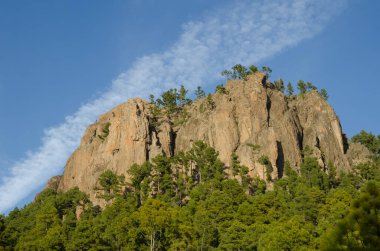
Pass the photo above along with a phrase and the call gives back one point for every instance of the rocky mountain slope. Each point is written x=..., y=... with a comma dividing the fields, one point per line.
x=251, y=119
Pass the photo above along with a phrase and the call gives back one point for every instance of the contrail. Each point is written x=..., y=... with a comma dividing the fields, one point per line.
x=243, y=32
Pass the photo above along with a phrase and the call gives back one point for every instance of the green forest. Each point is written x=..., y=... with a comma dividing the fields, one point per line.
x=186, y=202
x=193, y=201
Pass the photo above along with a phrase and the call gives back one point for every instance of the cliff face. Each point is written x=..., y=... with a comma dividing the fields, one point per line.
x=253, y=114
x=130, y=140
x=252, y=119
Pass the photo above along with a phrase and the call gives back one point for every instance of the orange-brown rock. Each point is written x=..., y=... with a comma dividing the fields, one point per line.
x=130, y=140
x=53, y=182
x=251, y=119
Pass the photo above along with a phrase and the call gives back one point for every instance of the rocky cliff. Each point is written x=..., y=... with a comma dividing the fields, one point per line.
x=250, y=119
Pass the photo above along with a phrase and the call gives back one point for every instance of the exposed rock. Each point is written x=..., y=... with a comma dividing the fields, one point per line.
x=78, y=211
x=357, y=154
x=252, y=119
x=254, y=114
x=53, y=182
x=130, y=140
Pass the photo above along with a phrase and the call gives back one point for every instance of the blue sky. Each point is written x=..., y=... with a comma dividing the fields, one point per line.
x=78, y=59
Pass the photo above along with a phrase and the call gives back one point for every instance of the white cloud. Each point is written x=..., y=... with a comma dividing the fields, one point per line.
x=244, y=32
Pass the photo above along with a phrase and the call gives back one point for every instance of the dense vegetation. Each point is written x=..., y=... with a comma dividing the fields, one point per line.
x=186, y=202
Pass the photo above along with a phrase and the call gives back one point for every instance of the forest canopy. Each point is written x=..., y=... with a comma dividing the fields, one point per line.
x=193, y=201
x=186, y=202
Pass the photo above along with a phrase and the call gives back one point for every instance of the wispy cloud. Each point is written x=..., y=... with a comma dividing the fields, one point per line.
x=244, y=32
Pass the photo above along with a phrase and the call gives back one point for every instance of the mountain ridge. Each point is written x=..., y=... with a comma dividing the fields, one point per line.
x=250, y=118
x=246, y=168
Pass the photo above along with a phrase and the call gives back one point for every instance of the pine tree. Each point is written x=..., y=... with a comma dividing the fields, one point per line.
x=310, y=86
x=199, y=93
x=279, y=85
x=239, y=72
x=264, y=160
x=253, y=69
x=235, y=164
x=324, y=94
x=181, y=96
x=221, y=89
x=266, y=70
x=110, y=184
x=210, y=101
x=290, y=89
x=227, y=74
x=301, y=87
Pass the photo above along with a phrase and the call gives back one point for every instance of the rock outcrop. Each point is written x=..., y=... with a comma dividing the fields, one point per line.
x=130, y=140
x=251, y=119
x=53, y=182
